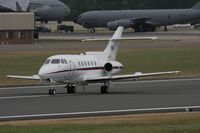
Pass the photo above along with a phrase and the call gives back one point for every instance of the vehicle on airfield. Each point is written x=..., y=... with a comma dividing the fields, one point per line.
x=139, y=20
x=45, y=10
x=65, y=28
x=42, y=29
x=88, y=68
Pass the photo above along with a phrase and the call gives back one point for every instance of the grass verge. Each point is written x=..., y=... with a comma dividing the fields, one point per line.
x=187, y=60
x=151, y=123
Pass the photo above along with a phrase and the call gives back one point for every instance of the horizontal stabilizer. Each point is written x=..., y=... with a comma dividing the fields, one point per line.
x=34, y=77
x=129, y=38
x=131, y=76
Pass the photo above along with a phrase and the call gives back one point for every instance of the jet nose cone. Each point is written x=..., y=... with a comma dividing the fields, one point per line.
x=67, y=10
x=78, y=20
x=75, y=20
x=42, y=71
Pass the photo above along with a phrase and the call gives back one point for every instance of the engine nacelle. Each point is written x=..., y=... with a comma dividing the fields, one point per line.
x=108, y=67
x=113, y=25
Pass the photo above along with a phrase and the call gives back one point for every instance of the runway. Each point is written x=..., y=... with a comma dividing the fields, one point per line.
x=18, y=103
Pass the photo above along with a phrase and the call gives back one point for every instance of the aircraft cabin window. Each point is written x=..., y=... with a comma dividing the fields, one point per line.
x=88, y=63
x=91, y=63
x=55, y=61
x=85, y=63
x=82, y=63
x=95, y=63
x=47, y=61
x=79, y=63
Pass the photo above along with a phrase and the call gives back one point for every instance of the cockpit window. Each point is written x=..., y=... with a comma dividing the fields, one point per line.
x=47, y=61
x=65, y=61
x=55, y=61
x=62, y=61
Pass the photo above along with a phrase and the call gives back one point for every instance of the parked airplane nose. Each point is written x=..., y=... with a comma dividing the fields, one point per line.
x=77, y=19
x=67, y=10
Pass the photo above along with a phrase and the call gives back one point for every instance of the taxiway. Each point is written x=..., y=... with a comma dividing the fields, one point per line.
x=33, y=102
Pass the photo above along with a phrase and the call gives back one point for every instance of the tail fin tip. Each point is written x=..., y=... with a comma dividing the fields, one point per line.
x=197, y=6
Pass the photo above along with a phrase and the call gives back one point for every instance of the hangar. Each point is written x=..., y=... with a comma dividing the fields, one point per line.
x=17, y=28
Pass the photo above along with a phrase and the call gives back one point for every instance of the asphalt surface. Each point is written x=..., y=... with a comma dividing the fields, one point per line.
x=129, y=97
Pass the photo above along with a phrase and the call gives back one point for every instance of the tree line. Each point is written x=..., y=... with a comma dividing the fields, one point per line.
x=79, y=6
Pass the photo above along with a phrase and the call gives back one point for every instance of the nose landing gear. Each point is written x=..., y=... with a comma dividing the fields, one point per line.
x=52, y=92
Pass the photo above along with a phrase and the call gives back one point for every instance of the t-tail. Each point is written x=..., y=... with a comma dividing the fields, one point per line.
x=111, y=50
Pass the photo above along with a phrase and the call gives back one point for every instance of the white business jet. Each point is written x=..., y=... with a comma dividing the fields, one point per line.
x=87, y=68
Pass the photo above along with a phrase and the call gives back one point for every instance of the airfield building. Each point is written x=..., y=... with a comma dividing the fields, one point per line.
x=16, y=28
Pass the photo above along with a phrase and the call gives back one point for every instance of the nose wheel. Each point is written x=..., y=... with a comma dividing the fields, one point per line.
x=104, y=89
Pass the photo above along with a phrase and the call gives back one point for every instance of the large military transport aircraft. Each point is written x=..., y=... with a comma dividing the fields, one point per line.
x=45, y=10
x=139, y=20
x=87, y=68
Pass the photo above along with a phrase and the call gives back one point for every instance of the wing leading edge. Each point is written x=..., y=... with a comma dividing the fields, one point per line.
x=34, y=77
x=130, y=76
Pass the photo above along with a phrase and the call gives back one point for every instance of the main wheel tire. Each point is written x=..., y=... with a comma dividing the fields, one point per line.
x=54, y=92
x=50, y=92
x=69, y=89
x=104, y=89
x=73, y=89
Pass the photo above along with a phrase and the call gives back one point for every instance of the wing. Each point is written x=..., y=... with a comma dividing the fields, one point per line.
x=34, y=77
x=131, y=76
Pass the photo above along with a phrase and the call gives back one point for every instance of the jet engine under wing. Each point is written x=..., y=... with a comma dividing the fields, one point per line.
x=34, y=77
x=130, y=22
x=131, y=76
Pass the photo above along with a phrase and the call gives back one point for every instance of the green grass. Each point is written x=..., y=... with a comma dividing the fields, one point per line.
x=161, y=123
x=187, y=60
x=150, y=60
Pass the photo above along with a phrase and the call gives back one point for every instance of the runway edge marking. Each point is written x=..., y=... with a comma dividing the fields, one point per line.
x=98, y=112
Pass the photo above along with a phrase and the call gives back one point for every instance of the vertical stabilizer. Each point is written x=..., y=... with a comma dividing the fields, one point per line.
x=18, y=7
x=111, y=50
x=28, y=6
x=197, y=6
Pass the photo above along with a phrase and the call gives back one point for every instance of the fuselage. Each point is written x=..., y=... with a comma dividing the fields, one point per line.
x=45, y=10
x=75, y=68
x=161, y=17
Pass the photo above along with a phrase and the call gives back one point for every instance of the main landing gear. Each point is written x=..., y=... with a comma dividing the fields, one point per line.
x=71, y=89
x=104, y=89
x=92, y=30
